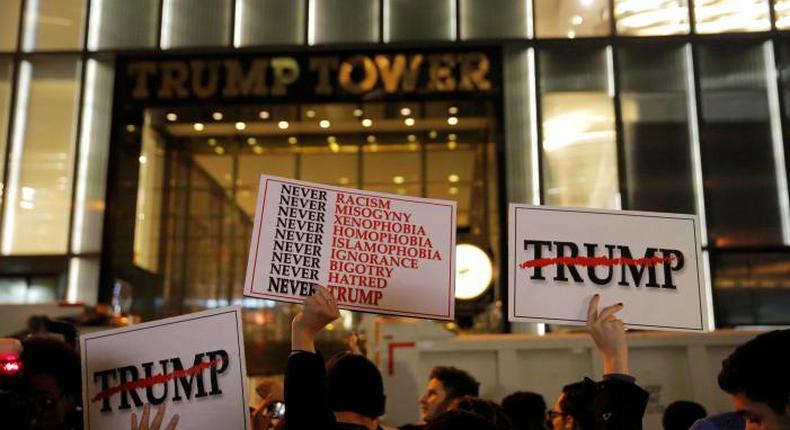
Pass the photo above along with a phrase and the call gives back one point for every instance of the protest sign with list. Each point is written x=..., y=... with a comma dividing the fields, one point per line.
x=374, y=252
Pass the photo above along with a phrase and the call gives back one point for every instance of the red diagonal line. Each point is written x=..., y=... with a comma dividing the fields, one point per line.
x=156, y=379
x=596, y=261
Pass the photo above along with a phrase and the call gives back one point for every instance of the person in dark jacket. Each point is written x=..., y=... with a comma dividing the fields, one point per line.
x=346, y=395
x=616, y=403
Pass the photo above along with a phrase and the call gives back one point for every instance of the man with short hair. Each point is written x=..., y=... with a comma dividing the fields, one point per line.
x=445, y=384
x=757, y=377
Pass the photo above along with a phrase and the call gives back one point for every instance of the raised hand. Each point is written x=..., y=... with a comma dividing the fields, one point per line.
x=608, y=333
x=319, y=310
x=156, y=423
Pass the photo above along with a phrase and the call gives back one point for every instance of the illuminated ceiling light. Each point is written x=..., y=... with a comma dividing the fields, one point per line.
x=131, y=128
x=405, y=111
x=212, y=142
x=293, y=140
x=367, y=122
x=142, y=159
x=474, y=271
x=358, y=113
x=452, y=145
x=257, y=149
x=411, y=138
x=240, y=126
x=586, y=2
x=324, y=123
x=453, y=120
x=251, y=141
x=198, y=126
x=398, y=179
x=217, y=116
x=263, y=114
x=452, y=110
x=453, y=191
x=343, y=180
x=374, y=147
x=409, y=122
x=577, y=20
x=452, y=136
x=453, y=178
x=219, y=150
x=310, y=113
x=413, y=147
x=571, y=34
x=331, y=139
x=282, y=125
x=171, y=117
x=371, y=138
x=334, y=147
x=433, y=134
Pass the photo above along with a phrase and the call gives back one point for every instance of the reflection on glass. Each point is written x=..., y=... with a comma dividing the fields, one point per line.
x=343, y=21
x=419, y=20
x=123, y=24
x=572, y=18
x=393, y=172
x=10, y=11
x=450, y=176
x=742, y=144
x=53, y=24
x=651, y=18
x=266, y=22
x=41, y=163
x=658, y=150
x=5, y=101
x=490, y=19
x=184, y=25
x=579, y=149
x=149, y=200
x=782, y=13
x=721, y=16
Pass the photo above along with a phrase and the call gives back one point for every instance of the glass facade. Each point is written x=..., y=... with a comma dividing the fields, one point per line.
x=661, y=105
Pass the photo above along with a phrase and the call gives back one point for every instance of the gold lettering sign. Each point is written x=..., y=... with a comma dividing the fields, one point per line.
x=394, y=73
x=251, y=84
x=367, y=83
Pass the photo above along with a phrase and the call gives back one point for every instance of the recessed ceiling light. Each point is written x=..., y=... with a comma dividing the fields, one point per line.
x=453, y=178
x=171, y=117
x=452, y=136
x=409, y=122
x=310, y=113
x=282, y=125
x=452, y=120
x=217, y=116
x=324, y=123
x=405, y=111
x=452, y=145
x=240, y=126
x=411, y=138
x=452, y=110
x=358, y=113
x=367, y=122
x=398, y=179
x=371, y=138
x=293, y=140
x=198, y=126
x=433, y=134
x=251, y=141
x=263, y=114
x=257, y=149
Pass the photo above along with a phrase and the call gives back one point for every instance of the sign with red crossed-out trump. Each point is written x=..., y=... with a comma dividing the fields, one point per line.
x=651, y=262
x=186, y=372
x=374, y=252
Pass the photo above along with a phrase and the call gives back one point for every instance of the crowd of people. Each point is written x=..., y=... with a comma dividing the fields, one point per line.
x=346, y=391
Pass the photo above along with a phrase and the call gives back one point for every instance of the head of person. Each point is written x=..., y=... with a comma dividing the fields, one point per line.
x=525, y=409
x=52, y=381
x=487, y=409
x=354, y=385
x=682, y=414
x=573, y=409
x=445, y=384
x=459, y=420
x=757, y=377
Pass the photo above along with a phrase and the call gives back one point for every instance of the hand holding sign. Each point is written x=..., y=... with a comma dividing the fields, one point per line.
x=319, y=310
x=608, y=333
x=156, y=423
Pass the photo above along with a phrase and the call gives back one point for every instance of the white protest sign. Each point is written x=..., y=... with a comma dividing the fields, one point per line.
x=191, y=364
x=374, y=252
x=651, y=262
